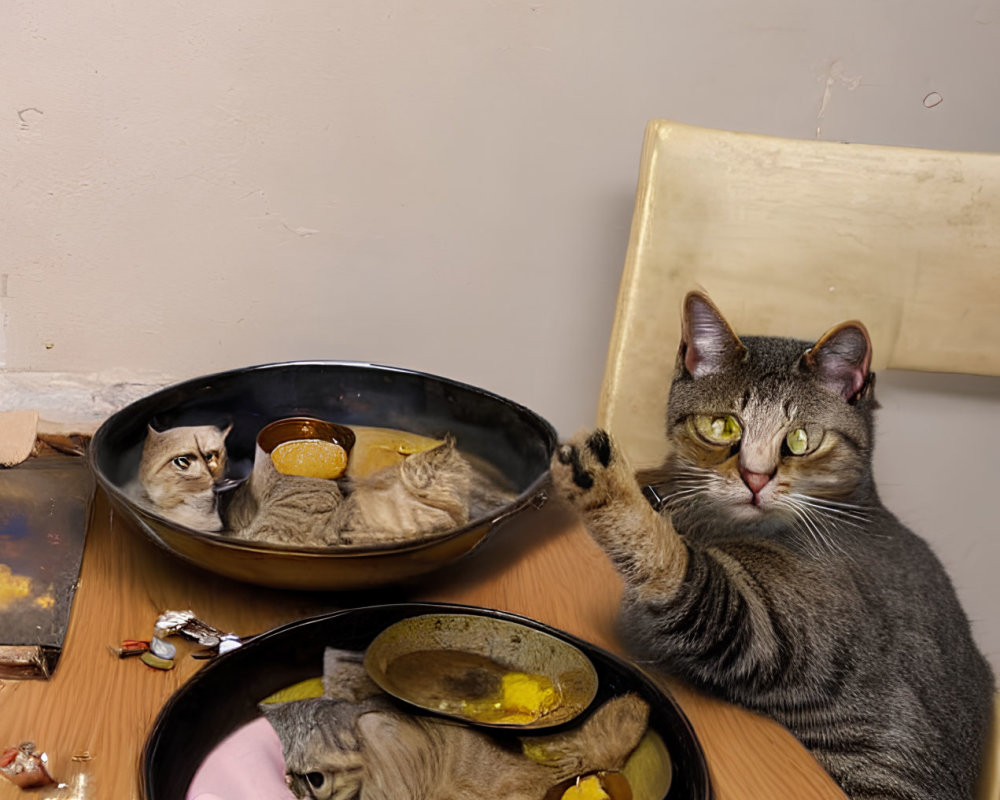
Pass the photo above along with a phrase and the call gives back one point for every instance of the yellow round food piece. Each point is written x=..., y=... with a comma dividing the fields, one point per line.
x=588, y=788
x=310, y=458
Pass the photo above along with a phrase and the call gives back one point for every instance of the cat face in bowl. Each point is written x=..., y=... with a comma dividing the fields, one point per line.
x=178, y=473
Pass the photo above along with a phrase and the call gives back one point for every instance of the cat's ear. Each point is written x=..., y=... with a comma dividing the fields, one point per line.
x=708, y=344
x=841, y=360
x=285, y=719
x=225, y=431
x=345, y=677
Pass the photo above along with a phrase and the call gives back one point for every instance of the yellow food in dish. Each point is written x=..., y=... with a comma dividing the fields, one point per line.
x=522, y=699
x=588, y=788
x=378, y=448
x=528, y=694
x=310, y=458
x=311, y=687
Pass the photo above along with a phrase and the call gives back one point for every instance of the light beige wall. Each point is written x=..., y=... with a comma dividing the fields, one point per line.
x=447, y=185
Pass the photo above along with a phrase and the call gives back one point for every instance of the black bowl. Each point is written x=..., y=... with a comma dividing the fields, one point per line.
x=207, y=708
x=509, y=437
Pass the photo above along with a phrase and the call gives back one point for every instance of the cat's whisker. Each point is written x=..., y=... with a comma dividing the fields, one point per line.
x=813, y=524
x=814, y=533
x=828, y=503
x=684, y=484
x=834, y=520
x=694, y=489
x=816, y=513
x=674, y=498
x=856, y=518
x=691, y=470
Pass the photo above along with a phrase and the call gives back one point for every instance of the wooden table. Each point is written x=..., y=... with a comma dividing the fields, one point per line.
x=542, y=565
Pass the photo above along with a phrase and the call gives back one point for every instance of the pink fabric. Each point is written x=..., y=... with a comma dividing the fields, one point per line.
x=246, y=764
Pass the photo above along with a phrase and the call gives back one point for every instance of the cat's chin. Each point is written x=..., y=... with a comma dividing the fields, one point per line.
x=744, y=512
x=750, y=518
x=711, y=523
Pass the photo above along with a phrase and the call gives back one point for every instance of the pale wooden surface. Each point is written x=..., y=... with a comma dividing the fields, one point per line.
x=791, y=237
x=542, y=565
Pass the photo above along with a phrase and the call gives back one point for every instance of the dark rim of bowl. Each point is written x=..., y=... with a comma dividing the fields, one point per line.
x=157, y=745
x=525, y=498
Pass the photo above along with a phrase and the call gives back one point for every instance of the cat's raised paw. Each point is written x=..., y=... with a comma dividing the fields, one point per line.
x=588, y=471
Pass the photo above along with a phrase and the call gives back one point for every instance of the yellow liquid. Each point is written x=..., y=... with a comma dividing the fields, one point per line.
x=310, y=458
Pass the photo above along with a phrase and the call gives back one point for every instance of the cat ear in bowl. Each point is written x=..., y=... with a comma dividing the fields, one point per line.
x=345, y=676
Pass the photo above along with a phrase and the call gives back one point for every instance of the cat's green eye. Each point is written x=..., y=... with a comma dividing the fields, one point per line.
x=182, y=462
x=718, y=429
x=797, y=441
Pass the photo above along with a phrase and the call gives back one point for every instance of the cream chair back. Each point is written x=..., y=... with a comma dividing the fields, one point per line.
x=791, y=237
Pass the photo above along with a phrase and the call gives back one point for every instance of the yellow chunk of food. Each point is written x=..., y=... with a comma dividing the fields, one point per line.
x=521, y=699
x=588, y=788
x=310, y=458
x=528, y=694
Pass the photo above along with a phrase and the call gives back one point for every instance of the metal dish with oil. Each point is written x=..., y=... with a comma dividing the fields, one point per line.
x=505, y=436
x=456, y=665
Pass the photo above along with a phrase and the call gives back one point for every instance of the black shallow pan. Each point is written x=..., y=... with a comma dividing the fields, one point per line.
x=223, y=696
x=509, y=437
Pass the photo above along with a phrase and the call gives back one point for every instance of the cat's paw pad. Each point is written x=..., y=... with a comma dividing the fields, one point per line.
x=588, y=470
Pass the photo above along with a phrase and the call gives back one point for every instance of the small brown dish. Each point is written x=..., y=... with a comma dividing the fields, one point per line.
x=292, y=428
x=283, y=434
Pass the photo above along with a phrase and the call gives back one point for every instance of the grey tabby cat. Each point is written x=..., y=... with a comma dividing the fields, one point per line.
x=354, y=744
x=178, y=471
x=774, y=577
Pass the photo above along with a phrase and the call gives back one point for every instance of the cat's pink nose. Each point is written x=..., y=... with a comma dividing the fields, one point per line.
x=754, y=480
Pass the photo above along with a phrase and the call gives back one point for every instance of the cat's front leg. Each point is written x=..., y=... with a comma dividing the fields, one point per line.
x=593, y=476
